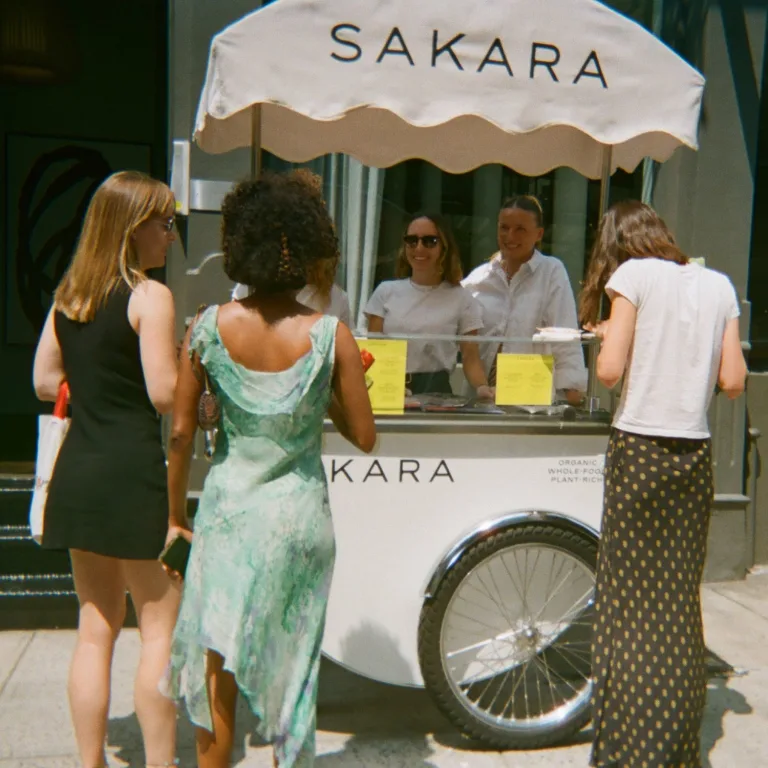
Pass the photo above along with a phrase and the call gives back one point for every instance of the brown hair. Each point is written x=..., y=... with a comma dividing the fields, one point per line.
x=105, y=255
x=450, y=261
x=629, y=230
x=527, y=203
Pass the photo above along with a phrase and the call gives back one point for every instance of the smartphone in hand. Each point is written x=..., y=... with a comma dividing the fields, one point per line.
x=176, y=555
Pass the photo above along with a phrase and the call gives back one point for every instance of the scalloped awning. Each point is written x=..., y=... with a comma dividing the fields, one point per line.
x=531, y=84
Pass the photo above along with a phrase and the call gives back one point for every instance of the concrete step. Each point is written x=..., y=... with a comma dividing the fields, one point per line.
x=19, y=554
x=36, y=588
x=15, y=498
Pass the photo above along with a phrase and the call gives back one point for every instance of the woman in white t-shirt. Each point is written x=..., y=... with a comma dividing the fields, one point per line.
x=321, y=292
x=430, y=299
x=672, y=336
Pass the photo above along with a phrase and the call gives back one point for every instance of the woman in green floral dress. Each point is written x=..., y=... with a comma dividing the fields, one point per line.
x=257, y=583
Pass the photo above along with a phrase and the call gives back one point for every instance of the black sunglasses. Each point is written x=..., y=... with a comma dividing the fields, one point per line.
x=428, y=241
x=168, y=224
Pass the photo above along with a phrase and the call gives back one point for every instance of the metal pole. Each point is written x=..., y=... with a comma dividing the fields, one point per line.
x=649, y=165
x=593, y=402
x=605, y=179
x=255, y=140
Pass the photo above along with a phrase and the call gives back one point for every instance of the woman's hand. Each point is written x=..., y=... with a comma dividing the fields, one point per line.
x=174, y=531
x=484, y=392
x=178, y=530
x=574, y=397
x=599, y=329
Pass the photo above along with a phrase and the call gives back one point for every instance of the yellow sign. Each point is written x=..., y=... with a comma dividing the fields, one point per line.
x=386, y=377
x=524, y=379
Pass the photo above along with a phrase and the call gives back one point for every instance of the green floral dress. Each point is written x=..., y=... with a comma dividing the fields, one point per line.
x=262, y=556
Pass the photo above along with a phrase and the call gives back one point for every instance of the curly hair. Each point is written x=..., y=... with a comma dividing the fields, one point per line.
x=274, y=230
x=629, y=230
x=450, y=260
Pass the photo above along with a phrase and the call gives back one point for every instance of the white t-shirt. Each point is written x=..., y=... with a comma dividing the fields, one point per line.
x=539, y=295
x=441, y=309
x=309, y=296
x=674, y=361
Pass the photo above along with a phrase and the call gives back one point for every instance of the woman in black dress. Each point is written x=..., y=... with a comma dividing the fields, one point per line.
x=672, y=336
x=110, y=335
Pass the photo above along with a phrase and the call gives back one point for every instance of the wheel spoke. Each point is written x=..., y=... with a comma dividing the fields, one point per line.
x=539, y=662
x=565, y=580
x=498, y=602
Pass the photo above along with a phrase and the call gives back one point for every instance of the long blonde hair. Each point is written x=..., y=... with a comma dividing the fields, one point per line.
x=105, y=255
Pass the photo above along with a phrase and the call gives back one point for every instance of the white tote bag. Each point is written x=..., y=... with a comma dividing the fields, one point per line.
x=51, y=431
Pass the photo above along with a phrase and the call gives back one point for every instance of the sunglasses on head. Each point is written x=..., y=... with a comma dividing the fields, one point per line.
x=428, y=241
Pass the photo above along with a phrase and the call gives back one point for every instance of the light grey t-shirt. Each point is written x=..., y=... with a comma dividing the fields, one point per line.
x=440, y=309
x=674, y=361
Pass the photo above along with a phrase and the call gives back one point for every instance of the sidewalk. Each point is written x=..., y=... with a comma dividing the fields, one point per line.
x=362, y=723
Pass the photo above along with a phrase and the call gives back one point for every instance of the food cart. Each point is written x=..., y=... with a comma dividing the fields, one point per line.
x=467, y=541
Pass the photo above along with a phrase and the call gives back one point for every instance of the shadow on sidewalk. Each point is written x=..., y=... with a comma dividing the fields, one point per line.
x=720, y=701
x=381, y=721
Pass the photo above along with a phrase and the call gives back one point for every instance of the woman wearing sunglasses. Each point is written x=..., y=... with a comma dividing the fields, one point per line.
x=428, y=298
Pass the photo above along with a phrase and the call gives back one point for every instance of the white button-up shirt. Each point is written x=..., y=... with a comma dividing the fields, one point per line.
x=537, y=296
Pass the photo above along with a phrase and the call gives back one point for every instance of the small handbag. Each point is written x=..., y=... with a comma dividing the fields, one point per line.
x=208, y=408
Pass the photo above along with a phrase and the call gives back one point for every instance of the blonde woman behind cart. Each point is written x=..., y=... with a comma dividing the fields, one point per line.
x=672, y=336
x=110, y=334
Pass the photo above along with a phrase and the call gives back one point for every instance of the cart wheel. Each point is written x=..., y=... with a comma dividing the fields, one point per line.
x=504, y=644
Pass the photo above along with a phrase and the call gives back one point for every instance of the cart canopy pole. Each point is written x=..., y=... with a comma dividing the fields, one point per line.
x=593, y=401
x=605, y=180
x=255, y=140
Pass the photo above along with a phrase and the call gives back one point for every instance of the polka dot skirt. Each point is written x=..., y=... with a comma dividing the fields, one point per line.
x=648, y=646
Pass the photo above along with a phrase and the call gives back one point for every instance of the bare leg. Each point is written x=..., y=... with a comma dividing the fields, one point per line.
x=101, y=593
x=214, y=750
x=156, y=599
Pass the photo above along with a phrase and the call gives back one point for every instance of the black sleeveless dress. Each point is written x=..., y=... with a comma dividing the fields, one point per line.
x=108, y=493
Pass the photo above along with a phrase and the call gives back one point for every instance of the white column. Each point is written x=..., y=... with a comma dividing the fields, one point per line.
x=487, y=182
x=569, y=225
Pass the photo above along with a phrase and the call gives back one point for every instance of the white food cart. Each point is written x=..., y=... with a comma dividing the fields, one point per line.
x=467, y=541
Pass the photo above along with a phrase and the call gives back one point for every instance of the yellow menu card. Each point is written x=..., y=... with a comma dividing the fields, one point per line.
x=386, y=377
x=524, y=379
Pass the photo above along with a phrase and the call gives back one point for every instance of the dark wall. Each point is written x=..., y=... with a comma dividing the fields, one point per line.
x=57, y=142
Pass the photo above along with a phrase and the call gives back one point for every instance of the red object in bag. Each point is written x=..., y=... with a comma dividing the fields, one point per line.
x=62, y=401
x=367, y=358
